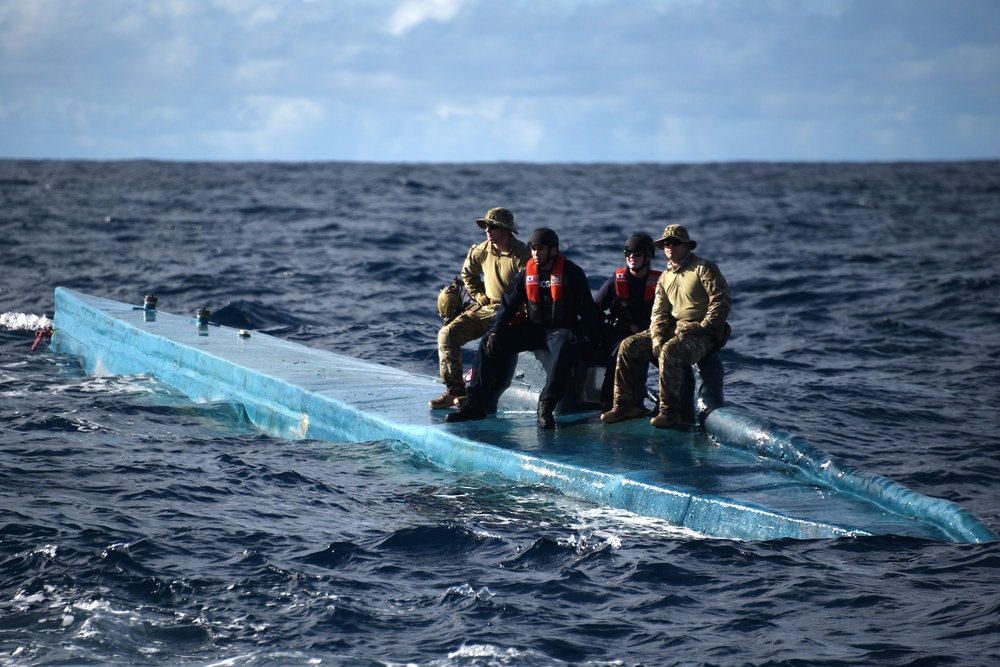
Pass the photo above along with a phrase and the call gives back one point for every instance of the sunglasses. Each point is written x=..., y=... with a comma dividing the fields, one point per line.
x=671, y=242
x=629, y=253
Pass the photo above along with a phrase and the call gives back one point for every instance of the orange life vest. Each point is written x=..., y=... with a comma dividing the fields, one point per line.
x=533, y=291
x=621, y=284
x=531, y=283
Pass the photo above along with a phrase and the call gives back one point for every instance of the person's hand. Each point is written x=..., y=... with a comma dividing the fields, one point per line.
x=483, y=300
x=490, y=346
x=689, y=328
x=657, y=346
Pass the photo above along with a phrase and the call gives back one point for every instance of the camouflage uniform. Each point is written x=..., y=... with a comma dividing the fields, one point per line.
x=486, y=274
x=689, y=313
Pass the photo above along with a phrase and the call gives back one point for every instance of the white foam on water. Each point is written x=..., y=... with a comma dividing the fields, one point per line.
x=24, y=321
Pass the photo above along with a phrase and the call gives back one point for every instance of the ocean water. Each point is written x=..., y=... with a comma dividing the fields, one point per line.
x=139, y=528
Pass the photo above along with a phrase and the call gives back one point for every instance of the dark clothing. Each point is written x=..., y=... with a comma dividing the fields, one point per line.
x=701, y=390
x=622, y=313
x=554, y=324
x=491, y=368
x=634, y=310
x=578, y=312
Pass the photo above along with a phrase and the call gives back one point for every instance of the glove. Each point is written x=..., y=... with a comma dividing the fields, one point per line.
x=483, y=300
x=490, y=345
x=689, y=328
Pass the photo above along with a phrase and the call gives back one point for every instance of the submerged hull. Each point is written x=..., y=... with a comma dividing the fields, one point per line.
x=742, y=478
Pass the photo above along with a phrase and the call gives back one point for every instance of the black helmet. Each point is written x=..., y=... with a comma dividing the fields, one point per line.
x=543, y=236
x=641, y=242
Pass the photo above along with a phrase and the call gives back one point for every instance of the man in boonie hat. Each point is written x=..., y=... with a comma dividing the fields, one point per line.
x=688, y=324
x=489, y=267
x=497, y=218
x=675, y=235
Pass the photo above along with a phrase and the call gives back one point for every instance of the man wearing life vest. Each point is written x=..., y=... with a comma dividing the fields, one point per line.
x=489, y=267
x=688, y=323
x=560, y=311
x=627, y=299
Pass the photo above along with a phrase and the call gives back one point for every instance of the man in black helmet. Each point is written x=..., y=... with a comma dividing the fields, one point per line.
x=627, y=298
x=560, y=311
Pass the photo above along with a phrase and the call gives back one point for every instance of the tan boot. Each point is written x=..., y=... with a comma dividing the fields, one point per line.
x=665, y=419
x=620, y=414
x=447, y=399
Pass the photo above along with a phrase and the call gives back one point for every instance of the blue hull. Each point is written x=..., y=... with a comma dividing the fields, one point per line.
x=744, y=478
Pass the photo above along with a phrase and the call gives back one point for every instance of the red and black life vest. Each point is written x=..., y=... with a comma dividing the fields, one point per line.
x=533, y=290
x=621, y=284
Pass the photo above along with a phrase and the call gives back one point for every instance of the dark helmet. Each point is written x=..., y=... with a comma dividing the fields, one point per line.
x=641, y=242
x=543, y=236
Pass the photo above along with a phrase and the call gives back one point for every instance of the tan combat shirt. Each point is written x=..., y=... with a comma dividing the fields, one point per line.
x=488, y=273
x=692, y=297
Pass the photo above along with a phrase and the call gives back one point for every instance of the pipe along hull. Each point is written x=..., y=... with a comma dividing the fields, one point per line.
x=744, y=477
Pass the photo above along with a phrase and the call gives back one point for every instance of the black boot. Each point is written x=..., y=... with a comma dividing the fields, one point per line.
x=470, y=411
x=545, y=419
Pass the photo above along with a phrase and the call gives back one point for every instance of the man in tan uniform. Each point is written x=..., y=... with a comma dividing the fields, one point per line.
x=688, y=322
x=489, y=267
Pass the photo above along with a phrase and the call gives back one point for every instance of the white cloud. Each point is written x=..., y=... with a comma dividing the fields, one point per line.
x=412, y=13
x=513, y=128
x=268, y=127
x=500, y=79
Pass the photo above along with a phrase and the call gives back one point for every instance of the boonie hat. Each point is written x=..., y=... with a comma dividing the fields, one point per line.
x=498, y=217
x=675, y=232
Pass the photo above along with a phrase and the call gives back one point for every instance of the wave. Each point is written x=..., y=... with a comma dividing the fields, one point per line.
x=24, y=322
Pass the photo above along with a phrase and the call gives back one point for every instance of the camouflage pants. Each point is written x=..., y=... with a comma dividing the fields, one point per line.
x=468, y=326
x=675, y=355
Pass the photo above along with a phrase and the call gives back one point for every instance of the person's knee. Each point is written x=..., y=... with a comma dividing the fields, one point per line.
x=453, y=336
x=444, y=337
x=636, y=349
x=628, y=348
x=561, y=336
x=559, y=340
x=670, y=356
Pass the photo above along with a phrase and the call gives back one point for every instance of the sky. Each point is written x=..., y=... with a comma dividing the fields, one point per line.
x=676, y=81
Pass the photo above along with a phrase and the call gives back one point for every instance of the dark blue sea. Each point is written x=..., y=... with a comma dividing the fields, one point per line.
x=138, y=528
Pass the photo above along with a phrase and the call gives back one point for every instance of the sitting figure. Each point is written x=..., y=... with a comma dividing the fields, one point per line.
x=688, y=323
x=560, y=311
x=488, y=269
x=627, y=299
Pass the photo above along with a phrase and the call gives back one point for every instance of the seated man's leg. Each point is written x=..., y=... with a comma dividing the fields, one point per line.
x=562, y=348
x=687, y=395
x=676, y=354
x=492, y=363
x=634, y=356
x=451, y=337
x=504, y=374
x=708, y=393
x=491, y=370
x=561, y=344
x=701, y=389
x=608, y=386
